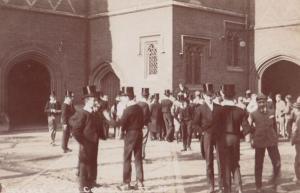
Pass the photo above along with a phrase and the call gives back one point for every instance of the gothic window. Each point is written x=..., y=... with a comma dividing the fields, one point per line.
x=151, y=59
x=233, y=48
x=194, y=54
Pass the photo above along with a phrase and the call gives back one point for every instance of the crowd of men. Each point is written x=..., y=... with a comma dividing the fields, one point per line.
x=218, y=118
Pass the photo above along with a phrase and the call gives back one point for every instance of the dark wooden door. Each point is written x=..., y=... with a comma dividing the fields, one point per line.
x=110, y=85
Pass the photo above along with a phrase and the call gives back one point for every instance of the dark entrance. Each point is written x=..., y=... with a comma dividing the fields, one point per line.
x=282, y=77
x=28, y=89
x=110, y=85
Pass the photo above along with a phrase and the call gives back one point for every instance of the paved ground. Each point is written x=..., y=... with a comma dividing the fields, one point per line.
x=28, y=164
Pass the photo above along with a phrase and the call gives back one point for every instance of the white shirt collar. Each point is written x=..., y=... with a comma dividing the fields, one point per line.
x=226, y=102
x=88, y=109
x=130, y=103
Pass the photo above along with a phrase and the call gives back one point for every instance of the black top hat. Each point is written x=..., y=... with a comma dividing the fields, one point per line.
x=69, y=93
x=167, y=92
x=228, y=90
x=208, y=88
x=129, y=91
x=145, y=92
x=89, y=91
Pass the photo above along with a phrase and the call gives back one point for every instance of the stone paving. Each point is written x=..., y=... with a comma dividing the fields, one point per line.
x=28, y=164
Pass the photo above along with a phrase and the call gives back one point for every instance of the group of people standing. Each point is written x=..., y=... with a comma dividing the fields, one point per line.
x=215, y=117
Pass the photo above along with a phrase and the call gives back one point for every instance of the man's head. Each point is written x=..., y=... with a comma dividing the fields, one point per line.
x=129, y=93
x=228, y=91
x=181, y=86
x=261, y=100
x=167, y=92
x=145, y=93
x=52, y=96
x=278, y=97
x=248, y=93
x=288, y=98
x=208, y=92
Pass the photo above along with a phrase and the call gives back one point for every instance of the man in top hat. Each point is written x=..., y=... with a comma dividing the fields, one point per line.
x=295, y=138
x=265, y=138
x=183, y=91
x=166, y=105
x=85, y=131
x=121, y=106
x=206, y=119
x=52, y=108
x=132, y=123
x=228, y=135
x=67, y=111
x=143, y=103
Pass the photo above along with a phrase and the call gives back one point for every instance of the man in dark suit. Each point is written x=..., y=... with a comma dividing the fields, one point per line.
x=143, y=103
x=132, y=123
x=84, y=130
x=228, y=136
x=166, y=105
x=67, y=111
x=206, y=119
x=156, y=119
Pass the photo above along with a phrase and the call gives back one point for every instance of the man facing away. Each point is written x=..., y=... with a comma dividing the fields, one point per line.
x=228, y=136
x=205, y=118
x=132, y=123
x=166, y=105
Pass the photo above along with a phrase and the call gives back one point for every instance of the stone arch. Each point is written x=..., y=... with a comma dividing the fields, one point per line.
x=265, y=64
x=36, y=55
x=106, y=77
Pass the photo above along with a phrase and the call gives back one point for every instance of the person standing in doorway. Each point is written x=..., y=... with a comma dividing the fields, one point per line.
x=53, y=109
x=279, y=113
x=67, y=111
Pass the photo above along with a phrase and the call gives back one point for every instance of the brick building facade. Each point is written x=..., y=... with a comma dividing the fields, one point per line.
x=66, y=44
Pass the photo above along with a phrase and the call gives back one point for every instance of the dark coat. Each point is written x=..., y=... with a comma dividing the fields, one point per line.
x=146, y=111
x=49, y=106
x=66, y=112
x=166, y=105
x=85, y=131
x=156, y=118
x=132, y=118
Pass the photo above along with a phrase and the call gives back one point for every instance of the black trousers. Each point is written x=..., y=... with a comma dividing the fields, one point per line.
x=230, y=157
x=259, y=160
x=297, y=161
x=209, y=146
x=133, y=142
x=187, y=133
x=94, y=164
x=85, y=183
x=168, y=120
x=65, y=138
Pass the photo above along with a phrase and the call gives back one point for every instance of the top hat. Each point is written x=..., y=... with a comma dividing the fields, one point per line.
x=156, y=96
x=167, y=92
x=228, y=90
x=89, y=91
x=145, y=92
x=261, y=97
x=208, y=89
x=69, y=93
x=129, y=91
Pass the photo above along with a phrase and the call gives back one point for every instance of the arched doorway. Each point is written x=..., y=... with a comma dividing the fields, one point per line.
x=281, y=77
x=110, y=85
x=28, y=85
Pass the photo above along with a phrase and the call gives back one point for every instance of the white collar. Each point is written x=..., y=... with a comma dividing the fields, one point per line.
x=226, y=102
x=88, y=109
x=130, y=103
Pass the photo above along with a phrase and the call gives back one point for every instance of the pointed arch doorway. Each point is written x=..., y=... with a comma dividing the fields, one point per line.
x=106, y=80
x=28, y=87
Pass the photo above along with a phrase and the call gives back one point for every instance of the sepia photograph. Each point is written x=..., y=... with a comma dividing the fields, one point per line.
x=149, y=96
